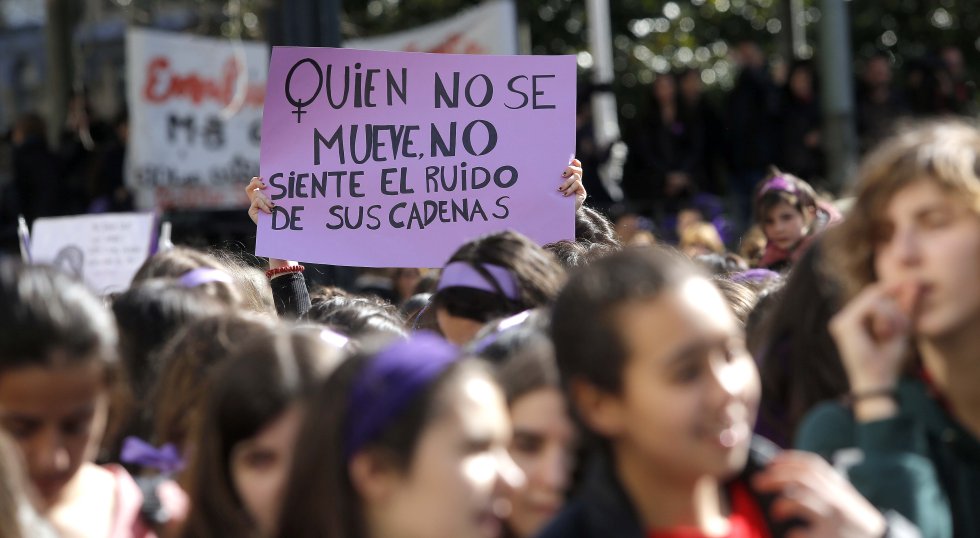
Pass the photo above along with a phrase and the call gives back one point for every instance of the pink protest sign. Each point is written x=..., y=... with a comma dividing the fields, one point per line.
x=395, y=159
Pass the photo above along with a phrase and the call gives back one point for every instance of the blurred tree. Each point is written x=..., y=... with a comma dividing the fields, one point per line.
x=654, y=36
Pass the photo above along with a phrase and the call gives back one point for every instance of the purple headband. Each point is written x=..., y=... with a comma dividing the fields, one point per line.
x=464, y=275
x=389, y=382
x=778, y=183
x=753, y=276
x=204, y=275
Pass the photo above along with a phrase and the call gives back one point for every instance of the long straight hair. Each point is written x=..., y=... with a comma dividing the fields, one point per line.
x=267, y=373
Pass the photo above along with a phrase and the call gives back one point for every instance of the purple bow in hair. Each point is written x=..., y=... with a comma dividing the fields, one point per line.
x=777, y=183
x=165, y=459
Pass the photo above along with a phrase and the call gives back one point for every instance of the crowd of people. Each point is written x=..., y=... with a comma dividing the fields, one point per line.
x=688, y=148
x=824, y=386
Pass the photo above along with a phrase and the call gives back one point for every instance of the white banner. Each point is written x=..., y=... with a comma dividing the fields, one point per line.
x=195, y=109
x=103, y=250
x=490, y=28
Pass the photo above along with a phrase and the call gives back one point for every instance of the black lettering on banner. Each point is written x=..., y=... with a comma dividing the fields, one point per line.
x=185, y=123
x=505, y=210
x=274, y=183
x=491, y=138
x=214, y=133
x=534, y=87
x=336, y=139
x=487, y=91
x=372, y=214
x=290, y=218
x=443, y=96
x=393, y=88
x=510, y=86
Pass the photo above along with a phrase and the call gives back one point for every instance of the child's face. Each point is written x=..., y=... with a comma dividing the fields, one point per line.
x=784, y=226
x=543, y=446
x=260, y=466
x=931, y=240
x=690, y=389
x=58, y=416
x=460, y=473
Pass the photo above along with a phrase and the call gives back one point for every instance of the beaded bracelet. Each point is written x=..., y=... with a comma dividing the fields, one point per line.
x=283, y=270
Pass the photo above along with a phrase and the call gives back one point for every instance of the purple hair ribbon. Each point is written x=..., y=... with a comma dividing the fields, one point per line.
x=777, y=183
x=204, y=275
x=753, y=276
x=165, y=459
x=390, y=381
x=464, y=275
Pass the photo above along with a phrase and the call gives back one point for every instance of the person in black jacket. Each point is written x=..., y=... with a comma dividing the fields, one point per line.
x=656, y=368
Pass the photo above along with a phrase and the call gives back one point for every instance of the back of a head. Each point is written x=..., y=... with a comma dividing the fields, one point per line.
x=251, y=282
x=148, y=315
x=521, y=352
x=572, y=254
x=592, y=226
x=357, y=317
x=798, y=360
x=48, y=316
x=179, y=262
x=261, y=379
x=721, y=264
x=188, y=358
x=702, y=235
x=739, y=297
x=583, y=326
x=533, y=277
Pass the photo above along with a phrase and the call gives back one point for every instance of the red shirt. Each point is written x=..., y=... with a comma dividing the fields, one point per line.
x=745, y=521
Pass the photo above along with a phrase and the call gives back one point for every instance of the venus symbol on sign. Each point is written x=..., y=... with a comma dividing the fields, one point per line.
x=299, y=103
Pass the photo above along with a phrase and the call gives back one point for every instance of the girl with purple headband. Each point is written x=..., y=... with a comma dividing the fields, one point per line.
x=405, y=440
x=494, y=276
x=790, y=216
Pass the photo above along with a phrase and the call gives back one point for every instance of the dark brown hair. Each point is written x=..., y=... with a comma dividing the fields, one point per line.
x=188, y=359
x=45, y=312
x=523, y=355
x=538, y=277
x=584, y=325
x=254, y=386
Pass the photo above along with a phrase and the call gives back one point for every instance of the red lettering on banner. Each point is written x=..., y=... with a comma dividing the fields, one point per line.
x=453, y=44
x=163, y=84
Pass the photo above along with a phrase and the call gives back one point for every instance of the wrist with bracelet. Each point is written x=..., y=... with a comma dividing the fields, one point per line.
x=285, y=269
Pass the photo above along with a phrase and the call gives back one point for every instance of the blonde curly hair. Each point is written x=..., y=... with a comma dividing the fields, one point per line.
x=946, y=153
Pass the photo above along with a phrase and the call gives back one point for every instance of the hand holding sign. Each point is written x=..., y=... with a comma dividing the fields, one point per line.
x=399, y=158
